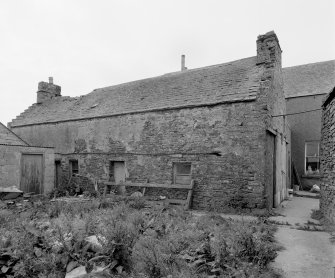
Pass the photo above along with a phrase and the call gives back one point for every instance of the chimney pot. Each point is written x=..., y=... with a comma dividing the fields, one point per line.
x=183, y=63
x=51, y=80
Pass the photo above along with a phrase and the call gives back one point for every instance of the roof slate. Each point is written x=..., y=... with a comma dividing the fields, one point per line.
x=309, y=79
x=228, y=82
x=7, y=137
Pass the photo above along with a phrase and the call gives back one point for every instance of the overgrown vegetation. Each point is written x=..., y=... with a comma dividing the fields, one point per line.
x=327, y=226
x=120, y=238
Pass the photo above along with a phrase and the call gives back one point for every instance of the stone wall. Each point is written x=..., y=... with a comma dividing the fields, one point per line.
x=271, y=98
x=327, y=201
x=10, y=165
x=150, y=143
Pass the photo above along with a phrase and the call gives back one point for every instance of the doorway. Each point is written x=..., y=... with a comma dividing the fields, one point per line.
x=32, y=173
x=58, y=173
x=117, y=173
x=270, y=169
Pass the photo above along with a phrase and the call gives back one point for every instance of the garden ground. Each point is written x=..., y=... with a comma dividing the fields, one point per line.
x=121, y=238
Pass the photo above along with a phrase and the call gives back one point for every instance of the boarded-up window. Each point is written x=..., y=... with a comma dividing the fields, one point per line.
x=182, y=172
x=74, y=167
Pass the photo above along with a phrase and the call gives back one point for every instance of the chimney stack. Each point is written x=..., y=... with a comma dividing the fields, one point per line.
x=51, y=80
x=183, y=63
x=47, y=91
x=268, y=50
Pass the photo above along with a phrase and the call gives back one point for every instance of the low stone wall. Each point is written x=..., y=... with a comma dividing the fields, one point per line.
x=327, y=202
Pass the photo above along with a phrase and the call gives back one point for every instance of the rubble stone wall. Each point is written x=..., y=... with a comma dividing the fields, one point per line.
x=149, y=144
x=271, y=98
x=327, y=201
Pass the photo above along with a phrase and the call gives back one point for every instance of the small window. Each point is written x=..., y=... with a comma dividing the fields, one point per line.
x=312, y=158
x=74, y=167
x=182, y=172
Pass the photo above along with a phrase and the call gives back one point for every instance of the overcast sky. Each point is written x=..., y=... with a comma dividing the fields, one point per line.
x=88, y=44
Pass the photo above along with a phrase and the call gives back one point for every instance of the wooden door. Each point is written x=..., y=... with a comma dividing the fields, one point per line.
x=119, y=172
x=270, y=169
x=32, y=173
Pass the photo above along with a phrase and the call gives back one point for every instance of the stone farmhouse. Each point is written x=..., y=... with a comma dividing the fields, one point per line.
x=305, y=87
x=213, y=125
x=30, y=168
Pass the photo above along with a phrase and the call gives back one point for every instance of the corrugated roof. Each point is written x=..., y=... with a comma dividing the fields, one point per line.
x=309, y=79
x=228, y=82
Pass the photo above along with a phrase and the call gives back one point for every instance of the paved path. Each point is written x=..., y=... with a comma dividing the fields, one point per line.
x=307, y=254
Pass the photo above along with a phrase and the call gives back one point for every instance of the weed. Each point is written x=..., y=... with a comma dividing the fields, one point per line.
x=316, y=214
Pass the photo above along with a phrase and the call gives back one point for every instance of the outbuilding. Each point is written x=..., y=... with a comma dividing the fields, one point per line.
x=25, y=167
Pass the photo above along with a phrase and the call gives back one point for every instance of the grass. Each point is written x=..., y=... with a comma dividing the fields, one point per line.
x=328, y=226
x=48, y=238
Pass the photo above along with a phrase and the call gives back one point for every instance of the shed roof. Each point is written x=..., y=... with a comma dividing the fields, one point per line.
x=229, y=82
x=309, y=79
x=8, y=137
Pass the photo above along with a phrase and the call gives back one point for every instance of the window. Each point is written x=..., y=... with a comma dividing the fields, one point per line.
x=182, y=172
x=312, y=158
x=74, y=168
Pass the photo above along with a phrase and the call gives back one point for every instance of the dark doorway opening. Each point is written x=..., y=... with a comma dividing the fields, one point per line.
x=270, y=169
x=58, y=173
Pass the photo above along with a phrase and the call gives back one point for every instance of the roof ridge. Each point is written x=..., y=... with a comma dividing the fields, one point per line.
x=314, y=63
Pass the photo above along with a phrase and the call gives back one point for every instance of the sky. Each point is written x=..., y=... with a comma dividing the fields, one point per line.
x=89, y=44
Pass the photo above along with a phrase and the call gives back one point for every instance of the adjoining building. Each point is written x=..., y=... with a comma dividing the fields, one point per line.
x=305, y=87
x=327, y=201
x=25, y=167
x=213, y=125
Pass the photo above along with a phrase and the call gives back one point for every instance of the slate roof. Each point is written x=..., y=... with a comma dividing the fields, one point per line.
x=309, y=79
x=229, y=82
x=8, y=137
